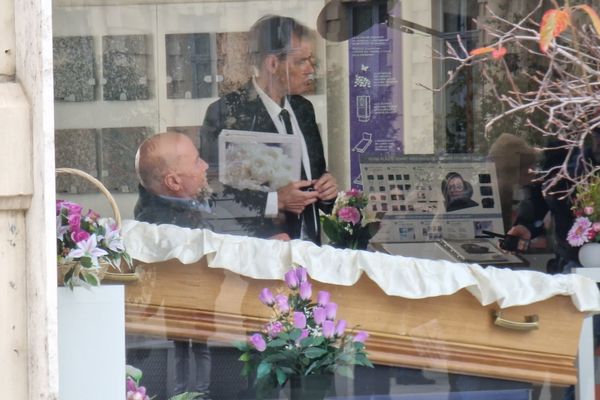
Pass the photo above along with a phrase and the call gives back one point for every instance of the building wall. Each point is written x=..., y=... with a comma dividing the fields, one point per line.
x=28, y=279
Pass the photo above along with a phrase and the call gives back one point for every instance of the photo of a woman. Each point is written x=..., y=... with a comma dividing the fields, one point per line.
x=457, y=192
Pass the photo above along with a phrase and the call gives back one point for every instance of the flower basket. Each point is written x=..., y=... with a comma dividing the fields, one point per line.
x=105, y=271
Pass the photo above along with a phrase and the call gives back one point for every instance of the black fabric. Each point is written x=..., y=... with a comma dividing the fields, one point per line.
x=535, y=206
x=287, y=121
x=158, y=210
x=244, y=110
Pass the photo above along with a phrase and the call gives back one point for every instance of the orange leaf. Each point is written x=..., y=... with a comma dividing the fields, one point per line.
x=499, y=53
x=554, y=22
x=481, y=50
x=593, y=16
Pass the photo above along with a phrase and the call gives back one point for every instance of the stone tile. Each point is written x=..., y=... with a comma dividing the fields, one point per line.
x=188, y=63
x=74, y=68
x=125, y=62
x=232, y=61
x=119, y=146
x=75, y=148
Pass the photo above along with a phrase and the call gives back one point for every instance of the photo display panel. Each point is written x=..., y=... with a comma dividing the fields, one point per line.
x=429, y=198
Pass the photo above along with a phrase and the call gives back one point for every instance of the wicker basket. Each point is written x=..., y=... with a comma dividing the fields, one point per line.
x=106, y=271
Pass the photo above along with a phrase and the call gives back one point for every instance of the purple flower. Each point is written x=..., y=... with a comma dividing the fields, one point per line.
x=328, y=329
x=274, y=329
x=349, y=214
x=319, y=315
x=305, y=290
x=323, y=298
x=579, y=232
x=361, y=336
x=303, y=335
x=74, y=221
x=302, y=274
x=340, y=328
x=131, y=386
x=291, y=279
x=79, y=234
x=282, y=303
x=331, y=309
x=266, y=297
x=258, y=342
x=299, y=320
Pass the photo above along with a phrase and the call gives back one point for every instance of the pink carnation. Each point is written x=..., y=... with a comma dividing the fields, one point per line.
x=353, y=193
x=349, y=214
x=579, y=232
x=588, y=210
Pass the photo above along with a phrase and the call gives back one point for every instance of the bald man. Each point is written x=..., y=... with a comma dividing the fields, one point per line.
x=173, y=186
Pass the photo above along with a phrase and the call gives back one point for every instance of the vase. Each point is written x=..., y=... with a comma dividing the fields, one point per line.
x=589, y=255
x=314, y=387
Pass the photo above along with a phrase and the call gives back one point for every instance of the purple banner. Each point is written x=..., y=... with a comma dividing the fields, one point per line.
x=376, y=109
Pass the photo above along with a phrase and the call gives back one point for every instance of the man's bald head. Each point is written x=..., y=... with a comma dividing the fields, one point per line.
x=168, y=164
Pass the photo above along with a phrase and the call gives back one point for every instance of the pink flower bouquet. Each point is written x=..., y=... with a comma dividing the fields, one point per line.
x=351, y=224
x=303, y=338
x=586, y=207
x=84, y=241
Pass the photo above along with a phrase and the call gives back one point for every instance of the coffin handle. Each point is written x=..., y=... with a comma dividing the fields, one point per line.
x=531, y=322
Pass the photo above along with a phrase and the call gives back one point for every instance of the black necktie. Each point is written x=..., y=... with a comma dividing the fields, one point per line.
x=285, y=116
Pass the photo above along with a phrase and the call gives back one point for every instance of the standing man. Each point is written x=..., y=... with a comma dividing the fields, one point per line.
x=281, y=53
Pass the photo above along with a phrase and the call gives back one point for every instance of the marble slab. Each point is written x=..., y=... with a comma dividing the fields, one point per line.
x=119, y=146
x=233, y=63
x=74, y=68
x=75, y=148
x=125, y=62
x=189, y=70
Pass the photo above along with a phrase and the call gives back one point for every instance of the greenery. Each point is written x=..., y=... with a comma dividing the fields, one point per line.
x=302, y=338
x=83, y=241
x=350, y=224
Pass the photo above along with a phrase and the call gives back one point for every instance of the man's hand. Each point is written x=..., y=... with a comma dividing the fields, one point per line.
x=281, y=236
x=326, y=187
x=523, y=234
x=292, y=198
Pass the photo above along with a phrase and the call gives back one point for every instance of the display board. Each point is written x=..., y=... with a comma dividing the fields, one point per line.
x=428, y=198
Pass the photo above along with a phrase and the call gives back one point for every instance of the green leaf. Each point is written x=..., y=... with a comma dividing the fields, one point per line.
x=281, y=376
x=186, y=396
x=134, y=373
x=245, y=357
x=246, y=369
x=314, y=352
x=86, y=262
x=242, y=346
x=295, y=334
x=264, y=369
x=331, y=229
x=346, y=371
x=311, y=341
x=276, y=343
x=91, y=278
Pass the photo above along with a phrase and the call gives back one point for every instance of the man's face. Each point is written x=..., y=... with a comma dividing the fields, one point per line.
x=191, y=169
x=296, y=71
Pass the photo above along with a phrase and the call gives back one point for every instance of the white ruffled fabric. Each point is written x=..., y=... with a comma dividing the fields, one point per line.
x=407, y=277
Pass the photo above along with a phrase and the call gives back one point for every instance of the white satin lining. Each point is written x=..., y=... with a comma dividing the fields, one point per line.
x=396, y=275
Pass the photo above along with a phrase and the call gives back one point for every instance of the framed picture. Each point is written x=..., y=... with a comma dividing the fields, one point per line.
x=258, y=160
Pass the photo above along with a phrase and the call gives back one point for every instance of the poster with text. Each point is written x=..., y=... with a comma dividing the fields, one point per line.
x=376, y=109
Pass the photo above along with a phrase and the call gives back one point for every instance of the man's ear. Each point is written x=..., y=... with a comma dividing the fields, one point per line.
x=271, y=63
x=172, y=182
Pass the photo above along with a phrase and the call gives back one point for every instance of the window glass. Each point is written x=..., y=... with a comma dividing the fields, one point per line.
x=267, y=109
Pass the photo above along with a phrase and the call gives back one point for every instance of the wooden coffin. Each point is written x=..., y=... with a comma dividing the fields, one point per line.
x=448, y=333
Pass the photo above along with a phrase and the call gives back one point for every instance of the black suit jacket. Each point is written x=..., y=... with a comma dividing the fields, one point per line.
x=244, y=110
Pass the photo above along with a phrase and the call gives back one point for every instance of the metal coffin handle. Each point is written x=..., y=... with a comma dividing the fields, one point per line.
x=530, y=323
